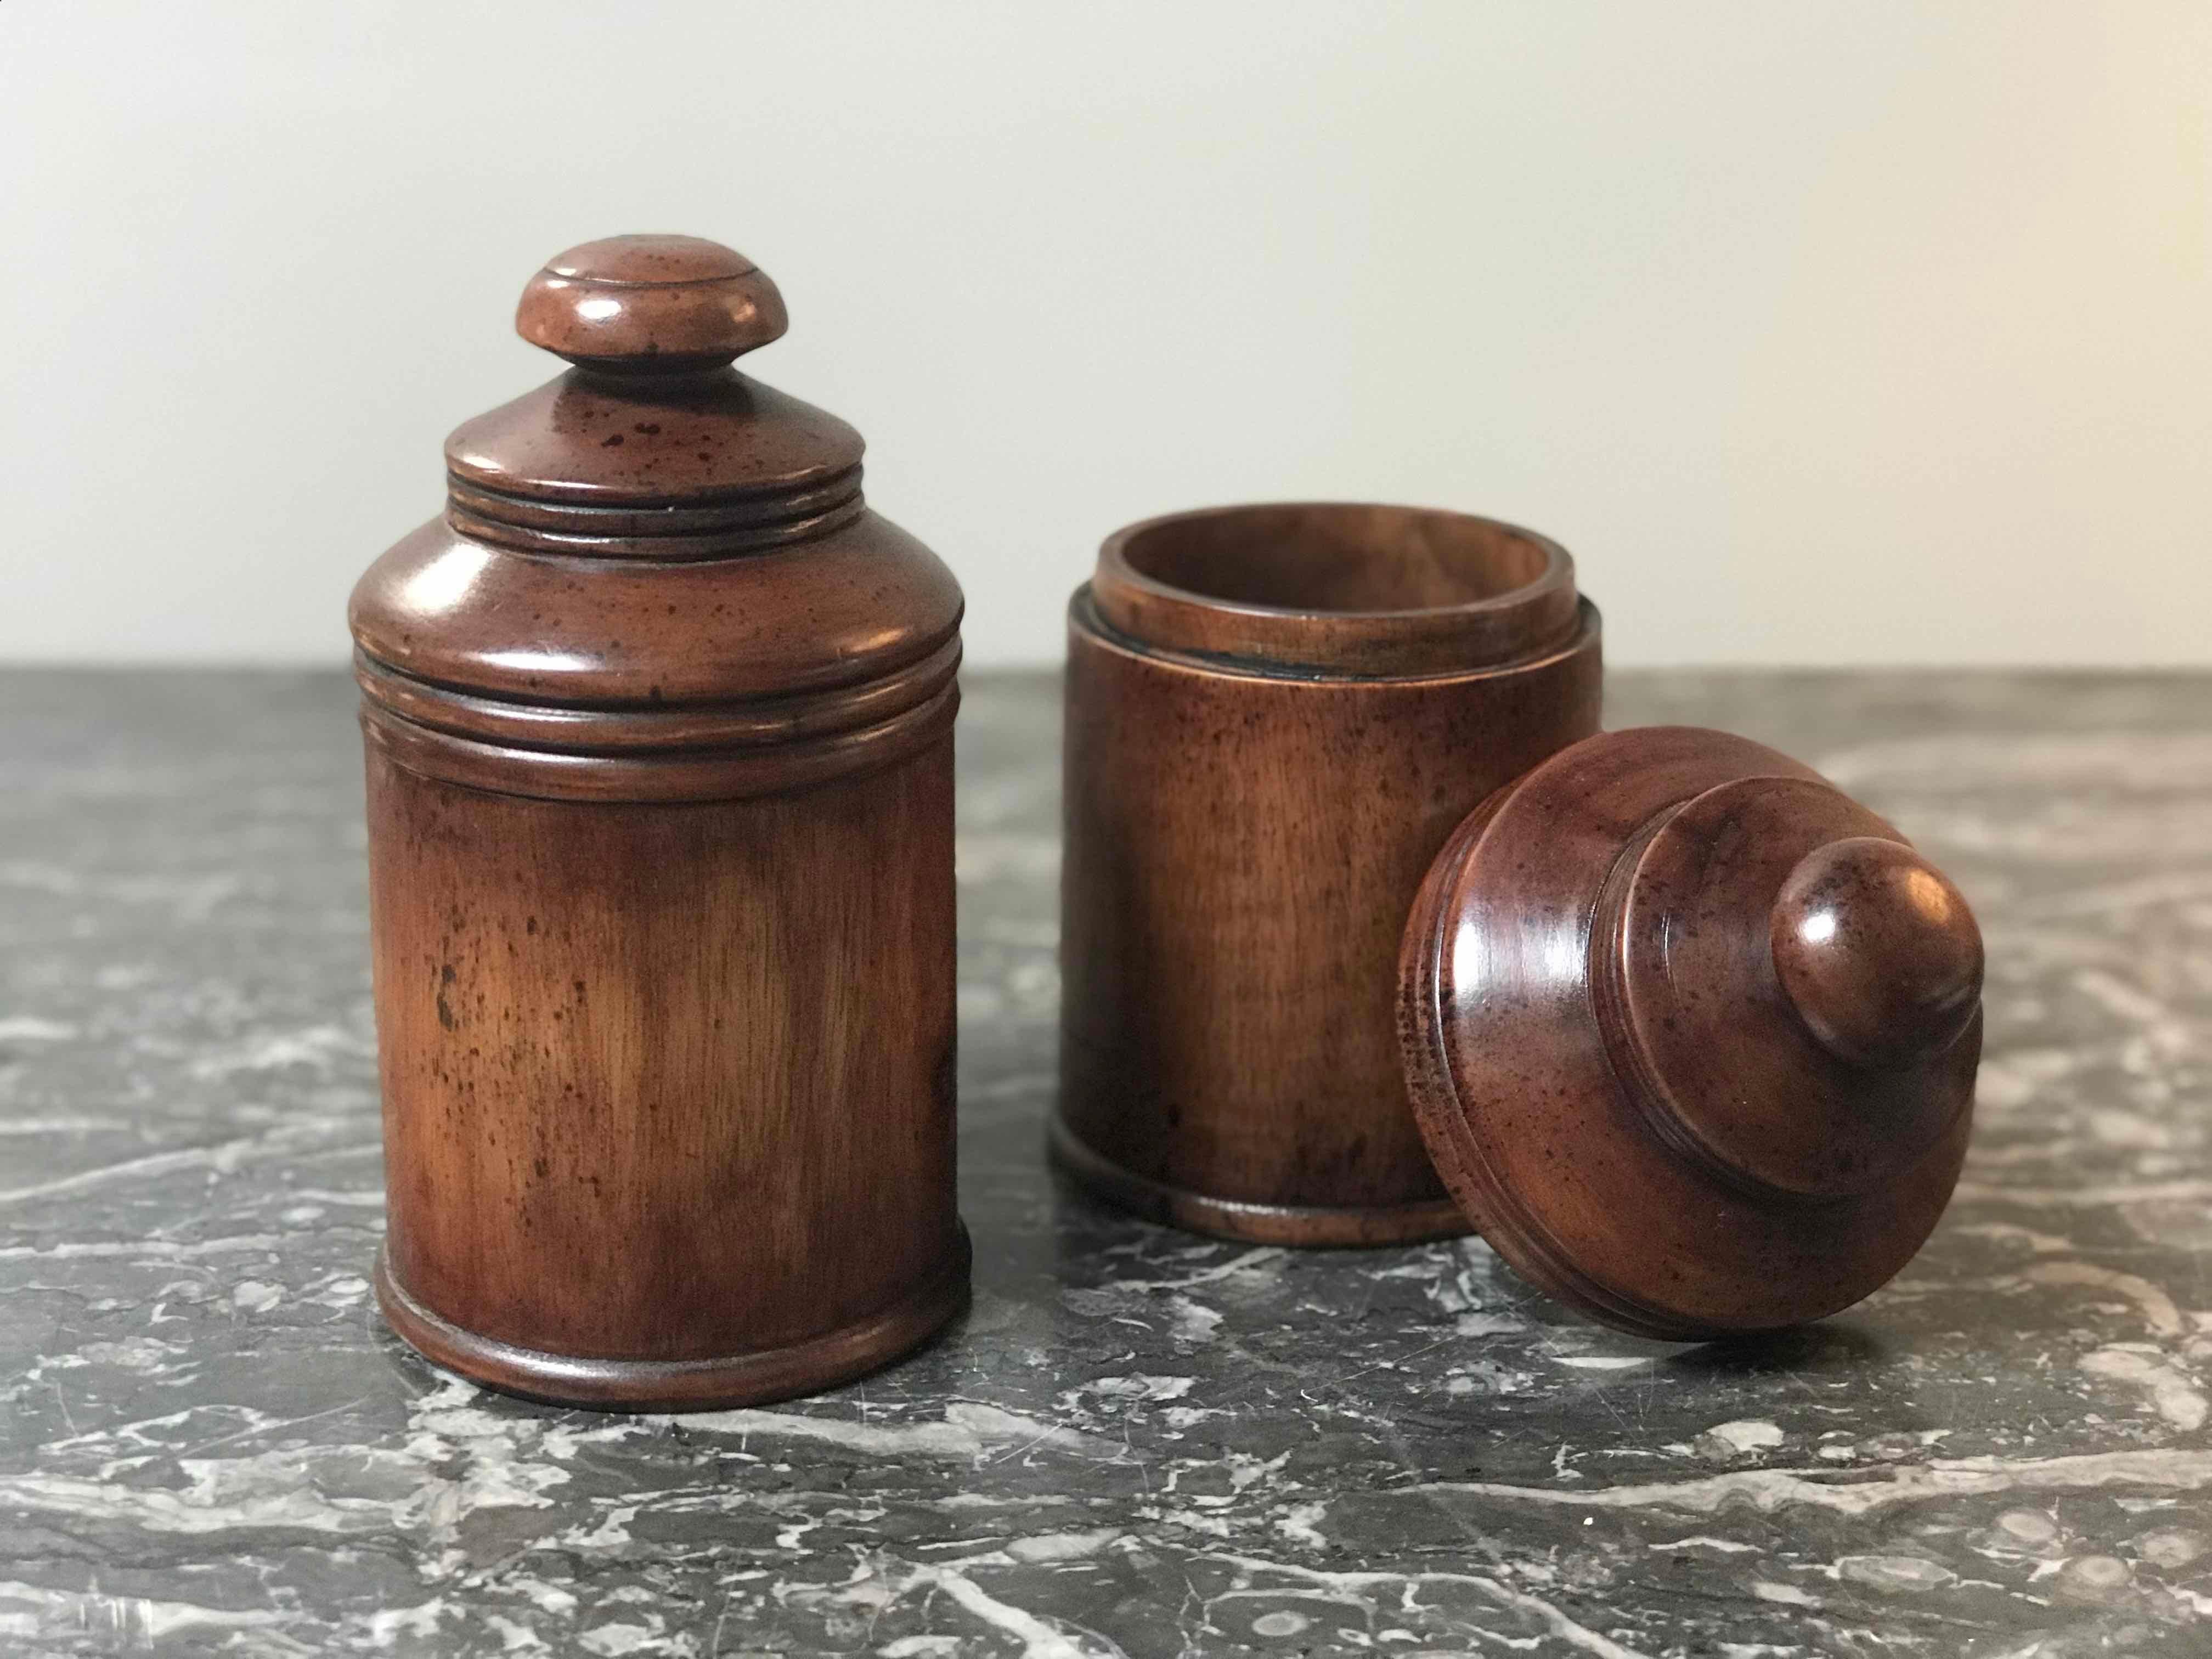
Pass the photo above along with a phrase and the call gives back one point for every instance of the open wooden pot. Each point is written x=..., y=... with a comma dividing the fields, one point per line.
x=1369, y=935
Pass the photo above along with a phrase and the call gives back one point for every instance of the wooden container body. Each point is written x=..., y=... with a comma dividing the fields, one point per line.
x=668, y=1086
x=659, y=730
x=1244, y=836
x=664, y=982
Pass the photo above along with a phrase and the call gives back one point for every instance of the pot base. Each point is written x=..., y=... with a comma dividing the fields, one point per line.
x=712, y=1384
x=1251, y=1223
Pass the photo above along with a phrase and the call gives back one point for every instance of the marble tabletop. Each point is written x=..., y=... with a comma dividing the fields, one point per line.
x=1139, y=1443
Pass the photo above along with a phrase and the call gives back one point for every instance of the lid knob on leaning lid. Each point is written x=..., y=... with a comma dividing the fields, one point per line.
x=1878, y=952
x=650, y=305
x=1691, y=1035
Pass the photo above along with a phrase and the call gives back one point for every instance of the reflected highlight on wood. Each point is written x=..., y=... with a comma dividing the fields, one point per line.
x=1877, y=949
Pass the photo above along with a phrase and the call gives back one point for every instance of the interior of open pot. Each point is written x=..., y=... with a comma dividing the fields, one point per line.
x=1342, y=558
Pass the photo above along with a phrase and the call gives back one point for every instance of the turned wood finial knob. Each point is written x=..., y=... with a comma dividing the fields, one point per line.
x=1878, y=950
x=633, y=305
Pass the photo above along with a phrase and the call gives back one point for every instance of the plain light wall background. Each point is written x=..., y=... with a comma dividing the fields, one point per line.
x=1821, y=333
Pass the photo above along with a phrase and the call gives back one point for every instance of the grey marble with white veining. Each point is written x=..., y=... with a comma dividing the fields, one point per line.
x=1139, y=1443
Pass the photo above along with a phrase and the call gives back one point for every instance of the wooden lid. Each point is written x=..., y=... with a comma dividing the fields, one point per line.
x=1691, y=1035
x=653, y=415
x=654, y=559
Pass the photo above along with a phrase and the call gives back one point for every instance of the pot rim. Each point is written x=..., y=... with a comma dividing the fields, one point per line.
x=1528, y=618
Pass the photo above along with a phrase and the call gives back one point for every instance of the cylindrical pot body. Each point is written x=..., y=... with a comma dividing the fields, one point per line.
x=659, y=768
x=1275, y=717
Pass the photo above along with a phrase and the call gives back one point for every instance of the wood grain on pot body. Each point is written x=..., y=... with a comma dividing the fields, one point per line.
x=660, y=820
x=737, y=986
x=1253, y=792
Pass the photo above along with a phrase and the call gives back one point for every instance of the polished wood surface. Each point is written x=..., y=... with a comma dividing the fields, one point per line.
x=1877, y=949
x=658, y=720
x=640, y=634
x=655, y=305
x=1270, y=732
x=1341, y=589
x=666, y=1083
x=1642, y=995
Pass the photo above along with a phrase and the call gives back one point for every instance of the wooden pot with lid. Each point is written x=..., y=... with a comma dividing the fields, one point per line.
x=1370, y=935
x=659, y=721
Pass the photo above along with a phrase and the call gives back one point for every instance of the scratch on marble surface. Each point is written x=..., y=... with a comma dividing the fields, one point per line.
x=2037, y=1243
x=210, y=1504
x=1951, y=762
x=969, y=1430
x=31, y=1611
x=1244, y=1261
x=29, y=1028
x=1040, y=1639
x=2089, y=1195
x=1552, y=1619
x=317, y=1046
x=1700, y=1542
x=881, y=1582
x=224, y=1157
x=1862, y=1491
x=74, y=1123
x=2173, y=1395
x=151, y=1250
x=2129, y=1004
x=2157, y=1309
x=2109, y=898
